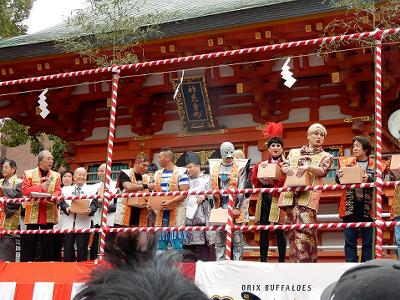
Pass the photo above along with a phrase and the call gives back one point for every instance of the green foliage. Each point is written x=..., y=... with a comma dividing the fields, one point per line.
x=361, y=15
x=37, y=143
x=14, y=134
x=12, y=15
x=108, y=31
x=58, y=148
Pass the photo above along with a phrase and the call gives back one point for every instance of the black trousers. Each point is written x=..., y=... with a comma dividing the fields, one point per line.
x=57, y=243
x=82, y=240
x=94, y=249
x=264, y=236
x=29, y=244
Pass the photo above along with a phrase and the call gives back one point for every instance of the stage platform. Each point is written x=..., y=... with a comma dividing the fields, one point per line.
x=219, y=280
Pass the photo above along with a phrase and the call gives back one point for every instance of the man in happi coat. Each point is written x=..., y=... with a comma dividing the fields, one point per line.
x=41, y=214
x=11, y=187
x=302, y=207
x=198, y=207
x=170, y=178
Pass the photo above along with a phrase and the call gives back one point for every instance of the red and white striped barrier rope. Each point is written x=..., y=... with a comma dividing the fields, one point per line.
x=50, y=199
x=326, y=187
x=50, y=231
x=318, y=226
x=378, y=150
x=229, y=228
x=230, y=53
x=110, y=145
x=166, y=229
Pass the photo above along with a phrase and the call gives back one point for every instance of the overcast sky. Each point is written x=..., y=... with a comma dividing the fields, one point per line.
x=46, y=13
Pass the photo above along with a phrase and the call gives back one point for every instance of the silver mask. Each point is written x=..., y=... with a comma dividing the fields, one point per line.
x=226, y=150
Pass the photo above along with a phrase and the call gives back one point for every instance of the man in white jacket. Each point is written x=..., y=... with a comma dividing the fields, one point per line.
x=98, y=189
x=77, y=220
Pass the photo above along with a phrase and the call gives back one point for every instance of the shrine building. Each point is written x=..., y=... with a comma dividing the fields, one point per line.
x=238, y=95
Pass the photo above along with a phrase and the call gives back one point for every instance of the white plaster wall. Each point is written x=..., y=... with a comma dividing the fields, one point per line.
x=154, y=79
x=236, y=121
x=191, y=73
x=81, y=89
x=124, y=131
x=225, y=71
x=121, y=131
x=331, y=112
x=98, y=133
x=314, y=60
x=278, y=64
x=170, y=127
x=105, y=86
x=253, y=154
x=298, y=115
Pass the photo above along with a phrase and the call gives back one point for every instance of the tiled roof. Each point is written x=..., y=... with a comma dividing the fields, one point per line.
x=183, y=9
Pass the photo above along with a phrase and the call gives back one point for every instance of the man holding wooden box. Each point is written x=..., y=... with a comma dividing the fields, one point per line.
x=305, y=166
x=226, y=173
x=356, y=205
x=133, y=211
x=199, y=243
x=77, y=214
x=170, y=210
x=268, y=174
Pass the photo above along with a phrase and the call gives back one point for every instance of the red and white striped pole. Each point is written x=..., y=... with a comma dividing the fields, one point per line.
x=229, y=229
x=110, y=145
x=378, y=156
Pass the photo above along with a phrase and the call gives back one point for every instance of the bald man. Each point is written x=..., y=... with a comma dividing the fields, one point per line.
x=79, y=220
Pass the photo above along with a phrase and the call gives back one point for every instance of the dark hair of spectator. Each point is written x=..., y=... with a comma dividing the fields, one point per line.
x=137, y=274
x=275, y=140
x=365, y=143
x=12, y=164
x=152, y=168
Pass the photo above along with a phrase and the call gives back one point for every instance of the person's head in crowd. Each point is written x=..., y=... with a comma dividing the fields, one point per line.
x=80, y=176
x=9, y=168
x=101, y=172
x=372, y=280
x=166, y=158
x=67, y=178
x=361, y=148
x=316, y=135
x=151, y=171
x=272, y=133
x=136, y=273
x=227, y=149
x=193, y=164
x=275, y=147
x=45, y=160
x=1, y=167
x=142, y=163
x=239, y=154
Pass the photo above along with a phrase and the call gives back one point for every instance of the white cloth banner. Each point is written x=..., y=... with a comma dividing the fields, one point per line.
x=43, y=291
x=7, y=290
x=229, y=279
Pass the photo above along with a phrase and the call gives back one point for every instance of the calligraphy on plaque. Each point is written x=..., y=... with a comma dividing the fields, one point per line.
x=194, y=105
